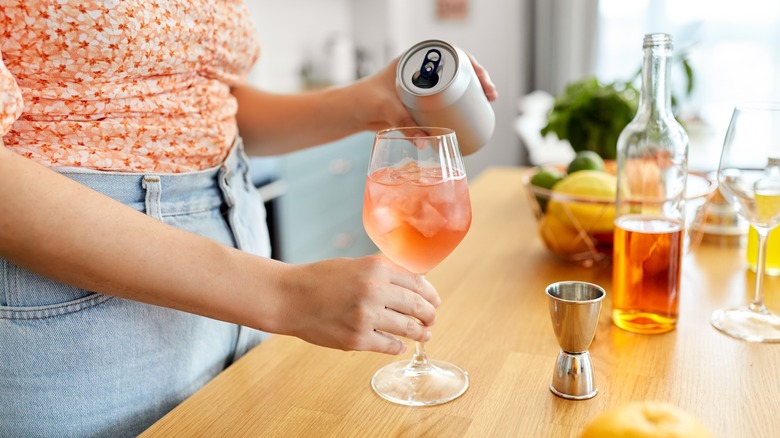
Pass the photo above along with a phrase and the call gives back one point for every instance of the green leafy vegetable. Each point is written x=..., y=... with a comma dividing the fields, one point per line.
x=591, y=115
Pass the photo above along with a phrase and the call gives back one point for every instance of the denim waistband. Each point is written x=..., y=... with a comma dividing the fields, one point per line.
x=175, y=193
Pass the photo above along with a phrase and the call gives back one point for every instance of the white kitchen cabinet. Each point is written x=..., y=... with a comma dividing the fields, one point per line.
x=319, y=215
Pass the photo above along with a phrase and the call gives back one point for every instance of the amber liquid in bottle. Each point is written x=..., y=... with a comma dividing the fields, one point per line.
x=646, y=284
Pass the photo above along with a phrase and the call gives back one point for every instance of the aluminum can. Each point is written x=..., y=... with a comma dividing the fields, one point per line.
x=438, y=85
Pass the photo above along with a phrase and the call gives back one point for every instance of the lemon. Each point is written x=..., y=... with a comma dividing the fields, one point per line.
x=561, y=237
x=649, y=419
x=593, y=217
x=586, y=160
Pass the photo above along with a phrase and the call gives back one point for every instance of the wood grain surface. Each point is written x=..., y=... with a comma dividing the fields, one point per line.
x=495, y=324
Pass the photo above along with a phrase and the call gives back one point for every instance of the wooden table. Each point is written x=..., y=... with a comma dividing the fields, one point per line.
x=494, y=323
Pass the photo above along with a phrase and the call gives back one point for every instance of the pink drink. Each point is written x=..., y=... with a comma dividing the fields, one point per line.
x=416, y=217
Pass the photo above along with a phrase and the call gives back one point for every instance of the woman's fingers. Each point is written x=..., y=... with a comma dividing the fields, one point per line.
x=417, y=284
x=407, y=302
x=357, y=304
x=384, y=343
x=488, y=87
x=397, y=324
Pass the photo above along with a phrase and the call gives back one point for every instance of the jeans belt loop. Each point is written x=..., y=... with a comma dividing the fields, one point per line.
x=225, y=177
x=151, y=184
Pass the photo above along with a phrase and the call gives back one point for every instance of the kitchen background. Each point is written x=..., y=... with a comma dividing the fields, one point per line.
x=532, y=49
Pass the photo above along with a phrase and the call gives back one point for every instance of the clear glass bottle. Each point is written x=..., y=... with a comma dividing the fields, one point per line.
x=652, y=170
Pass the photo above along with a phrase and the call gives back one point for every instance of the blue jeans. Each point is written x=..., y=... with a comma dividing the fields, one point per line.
x=78, y=363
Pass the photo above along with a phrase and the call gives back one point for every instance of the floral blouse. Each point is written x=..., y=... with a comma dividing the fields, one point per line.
x=123, y=85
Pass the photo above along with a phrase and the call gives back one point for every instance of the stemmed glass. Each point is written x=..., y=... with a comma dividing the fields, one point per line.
x=417, y=210
x=749, y=178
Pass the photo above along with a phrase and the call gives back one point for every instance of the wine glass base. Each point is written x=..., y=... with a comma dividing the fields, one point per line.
x=404, y=384
x=749, y=325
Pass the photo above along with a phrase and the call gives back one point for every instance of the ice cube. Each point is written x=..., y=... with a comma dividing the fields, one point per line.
x=380, y=194
x=458, y=217
x=427, y=220
x=407, y=200
x=444, y=193
x=385, y=220
x=410, y=172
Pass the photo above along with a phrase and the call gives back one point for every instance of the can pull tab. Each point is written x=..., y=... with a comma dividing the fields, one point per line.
x=428, y=76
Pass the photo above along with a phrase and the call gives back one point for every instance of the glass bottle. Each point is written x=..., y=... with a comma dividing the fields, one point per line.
x=652, y=171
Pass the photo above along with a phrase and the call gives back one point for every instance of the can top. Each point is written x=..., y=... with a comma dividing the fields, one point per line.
x=414, y=72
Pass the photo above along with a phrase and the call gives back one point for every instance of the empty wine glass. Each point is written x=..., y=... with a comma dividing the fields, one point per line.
x=749, y=179
x=417, y=210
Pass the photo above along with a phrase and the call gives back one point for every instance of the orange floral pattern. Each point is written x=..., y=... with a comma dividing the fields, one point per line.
x=130, y=85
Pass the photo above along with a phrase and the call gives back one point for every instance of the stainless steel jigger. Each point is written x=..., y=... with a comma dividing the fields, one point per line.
x=574, y=310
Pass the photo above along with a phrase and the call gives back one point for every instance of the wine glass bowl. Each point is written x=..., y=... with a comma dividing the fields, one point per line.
x=749, y=179
x=416, y=209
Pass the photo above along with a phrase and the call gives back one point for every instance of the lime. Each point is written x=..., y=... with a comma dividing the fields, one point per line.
x=546, y=179
x=586, y=160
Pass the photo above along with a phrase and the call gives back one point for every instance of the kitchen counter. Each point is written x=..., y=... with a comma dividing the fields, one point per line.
x=494, y=323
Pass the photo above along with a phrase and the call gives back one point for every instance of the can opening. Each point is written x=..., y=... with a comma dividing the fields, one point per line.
x=428, y=75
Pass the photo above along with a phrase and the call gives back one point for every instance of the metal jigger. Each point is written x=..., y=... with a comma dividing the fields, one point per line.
x=574, y=310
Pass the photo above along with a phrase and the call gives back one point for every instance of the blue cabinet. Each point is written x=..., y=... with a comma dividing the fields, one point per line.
x=319, y=215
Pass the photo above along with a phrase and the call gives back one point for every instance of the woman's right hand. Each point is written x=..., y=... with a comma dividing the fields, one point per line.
x=357, y=304
x=376, y=103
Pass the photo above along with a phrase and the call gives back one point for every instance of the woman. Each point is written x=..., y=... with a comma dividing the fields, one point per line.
x=132, y=264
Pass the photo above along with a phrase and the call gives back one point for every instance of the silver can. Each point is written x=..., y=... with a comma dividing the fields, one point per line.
x=438, y=85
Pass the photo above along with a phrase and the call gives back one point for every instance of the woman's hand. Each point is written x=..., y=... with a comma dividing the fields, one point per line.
x=484, y=78
x=357, y=304
x=379, y=106
x=273, y=124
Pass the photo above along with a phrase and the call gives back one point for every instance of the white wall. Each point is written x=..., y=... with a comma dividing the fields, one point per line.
x=289, y=30
x=494, y=32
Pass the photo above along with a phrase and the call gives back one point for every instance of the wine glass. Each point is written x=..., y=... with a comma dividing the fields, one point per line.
x=749, y=179
x=417, y=210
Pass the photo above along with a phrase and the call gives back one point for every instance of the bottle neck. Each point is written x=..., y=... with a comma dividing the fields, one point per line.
x=773, y=167
x=656, y=96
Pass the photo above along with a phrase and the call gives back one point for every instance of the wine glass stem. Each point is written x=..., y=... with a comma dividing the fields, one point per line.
x=420, y=359
x=758, y=299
